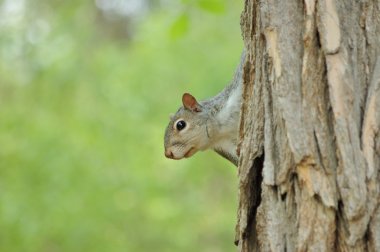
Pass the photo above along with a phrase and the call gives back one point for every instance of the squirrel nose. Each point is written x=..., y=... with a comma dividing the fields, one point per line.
x=169, y=154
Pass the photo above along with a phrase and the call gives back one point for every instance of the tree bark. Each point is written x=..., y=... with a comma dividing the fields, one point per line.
x=309, y=163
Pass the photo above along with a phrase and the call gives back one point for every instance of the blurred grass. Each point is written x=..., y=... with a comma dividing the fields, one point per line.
x=81, y=135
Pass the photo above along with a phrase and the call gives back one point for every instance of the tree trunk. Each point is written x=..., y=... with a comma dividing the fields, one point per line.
x=309, y=163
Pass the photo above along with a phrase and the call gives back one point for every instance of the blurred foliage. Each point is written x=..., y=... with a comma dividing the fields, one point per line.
x=82, y=120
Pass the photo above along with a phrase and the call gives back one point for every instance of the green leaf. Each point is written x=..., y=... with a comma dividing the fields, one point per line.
x=180, y=26
x=214, y=6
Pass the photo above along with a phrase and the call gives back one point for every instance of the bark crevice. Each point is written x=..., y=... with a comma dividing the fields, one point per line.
x=311, y=104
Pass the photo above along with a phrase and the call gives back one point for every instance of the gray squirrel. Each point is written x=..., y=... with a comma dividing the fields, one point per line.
x=209, y=124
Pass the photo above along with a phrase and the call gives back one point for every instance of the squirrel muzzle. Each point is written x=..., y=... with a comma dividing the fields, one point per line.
x=169, y=153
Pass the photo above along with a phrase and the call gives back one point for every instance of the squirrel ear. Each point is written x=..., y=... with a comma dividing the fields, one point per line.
x=191, y=103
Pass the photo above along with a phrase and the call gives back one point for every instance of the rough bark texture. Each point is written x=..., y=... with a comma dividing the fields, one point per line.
x=310, y=126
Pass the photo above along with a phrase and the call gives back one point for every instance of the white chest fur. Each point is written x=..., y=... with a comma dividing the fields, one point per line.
x=232, y=106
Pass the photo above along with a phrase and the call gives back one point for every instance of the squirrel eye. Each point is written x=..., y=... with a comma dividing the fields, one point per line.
x=180, y=125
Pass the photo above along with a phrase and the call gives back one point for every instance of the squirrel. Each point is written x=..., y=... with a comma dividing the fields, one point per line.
x=209, y=124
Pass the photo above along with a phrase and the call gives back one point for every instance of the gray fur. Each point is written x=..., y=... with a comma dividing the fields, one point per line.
x=214, y=127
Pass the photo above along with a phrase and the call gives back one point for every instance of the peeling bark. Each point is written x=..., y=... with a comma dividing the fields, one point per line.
x=309, y=168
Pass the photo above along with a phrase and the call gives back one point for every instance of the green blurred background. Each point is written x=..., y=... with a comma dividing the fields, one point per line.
x=86, y=89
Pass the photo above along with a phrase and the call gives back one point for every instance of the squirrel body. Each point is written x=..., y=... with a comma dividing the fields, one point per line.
x=209, y=124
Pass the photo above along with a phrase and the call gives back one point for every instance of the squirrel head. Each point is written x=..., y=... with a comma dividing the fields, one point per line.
x=187, y=130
